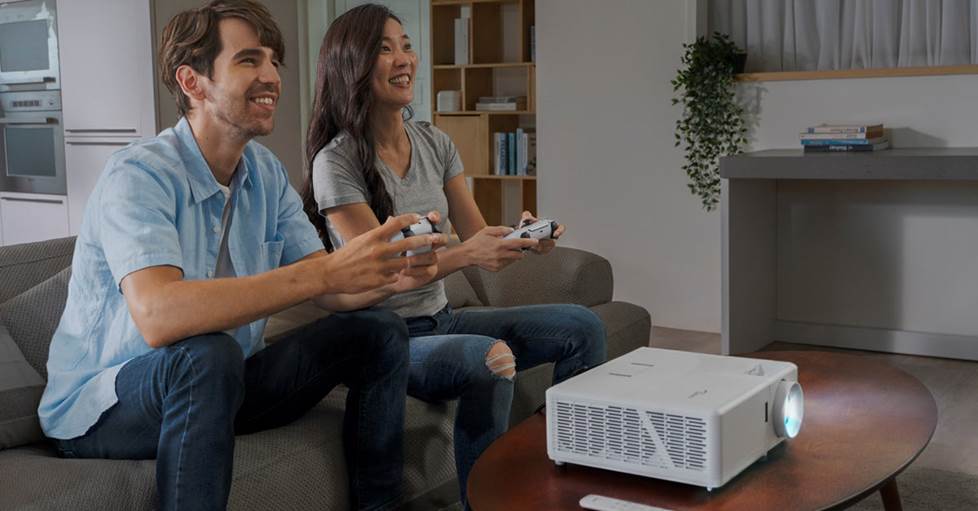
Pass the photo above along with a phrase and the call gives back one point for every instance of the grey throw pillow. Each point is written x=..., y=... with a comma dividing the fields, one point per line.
x=27, y=323
x=33, y=316
x=20, y=392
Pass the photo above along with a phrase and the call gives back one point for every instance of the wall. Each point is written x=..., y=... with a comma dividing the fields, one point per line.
x=608, y=168
x=286, y=140
x=610, y=172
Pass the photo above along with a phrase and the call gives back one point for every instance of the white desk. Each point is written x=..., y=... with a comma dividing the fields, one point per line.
x=752, y=185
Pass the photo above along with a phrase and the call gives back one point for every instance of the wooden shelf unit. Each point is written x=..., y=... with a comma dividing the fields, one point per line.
x=499, y=64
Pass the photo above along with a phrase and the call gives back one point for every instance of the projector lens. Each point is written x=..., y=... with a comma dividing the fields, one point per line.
x=789, y=409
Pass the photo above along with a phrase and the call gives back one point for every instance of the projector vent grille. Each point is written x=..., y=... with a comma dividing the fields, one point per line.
x=620, y=434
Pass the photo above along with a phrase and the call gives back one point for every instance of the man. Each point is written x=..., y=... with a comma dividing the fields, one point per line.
x=189, y=241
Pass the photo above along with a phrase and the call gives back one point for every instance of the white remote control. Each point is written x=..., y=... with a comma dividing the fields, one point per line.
x=602, y=503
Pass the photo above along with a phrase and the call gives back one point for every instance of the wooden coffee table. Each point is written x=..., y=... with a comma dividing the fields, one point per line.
x=865, y=422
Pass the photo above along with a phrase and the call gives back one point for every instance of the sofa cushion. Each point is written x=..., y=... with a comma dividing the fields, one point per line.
x=20, y=391
x=33, y=315
x=298, y=466
x=459, y=291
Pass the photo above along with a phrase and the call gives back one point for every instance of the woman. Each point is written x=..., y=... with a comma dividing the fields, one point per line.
x=365, y=163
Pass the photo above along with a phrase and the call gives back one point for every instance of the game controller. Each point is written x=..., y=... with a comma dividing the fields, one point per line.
x=424, y=226
x=539, y=230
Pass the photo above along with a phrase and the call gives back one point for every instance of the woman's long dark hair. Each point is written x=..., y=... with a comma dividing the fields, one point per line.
x=342, y=103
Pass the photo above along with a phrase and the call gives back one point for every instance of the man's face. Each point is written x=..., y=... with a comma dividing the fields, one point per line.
x=244, y=88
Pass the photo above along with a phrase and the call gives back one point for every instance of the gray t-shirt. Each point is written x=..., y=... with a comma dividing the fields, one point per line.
x=337, y=180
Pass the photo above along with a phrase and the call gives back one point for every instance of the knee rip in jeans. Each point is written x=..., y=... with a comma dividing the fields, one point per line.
x=500, y=360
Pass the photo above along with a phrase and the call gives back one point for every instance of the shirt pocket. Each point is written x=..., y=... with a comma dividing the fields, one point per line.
x=270, y=255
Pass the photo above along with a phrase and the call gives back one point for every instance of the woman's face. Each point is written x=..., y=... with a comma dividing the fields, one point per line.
x=393, y=75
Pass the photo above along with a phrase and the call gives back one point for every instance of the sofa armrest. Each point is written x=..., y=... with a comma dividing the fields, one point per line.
x=566, y=275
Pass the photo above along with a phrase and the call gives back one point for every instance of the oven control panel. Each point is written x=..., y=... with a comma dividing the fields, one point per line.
x=33, y=101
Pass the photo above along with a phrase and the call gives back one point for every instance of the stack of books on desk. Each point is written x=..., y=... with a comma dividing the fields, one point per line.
x=844, y=137
x=501, y=103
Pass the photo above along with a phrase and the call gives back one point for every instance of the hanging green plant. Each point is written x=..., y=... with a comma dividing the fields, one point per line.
x=712, y=122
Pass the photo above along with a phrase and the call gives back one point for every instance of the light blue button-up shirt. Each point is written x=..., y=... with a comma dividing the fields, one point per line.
x=157, y=203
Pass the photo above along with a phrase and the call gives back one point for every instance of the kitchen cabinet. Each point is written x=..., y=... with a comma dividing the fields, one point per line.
x=108, y=97
x=28, y=217
x=86, y=161
x=106, y=53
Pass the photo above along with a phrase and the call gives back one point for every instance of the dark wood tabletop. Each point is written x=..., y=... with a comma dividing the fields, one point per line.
x=865, y=421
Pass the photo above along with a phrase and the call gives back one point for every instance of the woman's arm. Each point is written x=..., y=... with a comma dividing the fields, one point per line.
x=481, y=245
x=462, y=209
x=468, y=220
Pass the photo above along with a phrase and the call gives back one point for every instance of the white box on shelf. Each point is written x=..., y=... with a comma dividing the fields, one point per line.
x=461, y=41
x=449, y=101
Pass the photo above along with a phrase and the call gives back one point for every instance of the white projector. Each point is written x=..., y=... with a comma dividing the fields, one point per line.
x=685, y=417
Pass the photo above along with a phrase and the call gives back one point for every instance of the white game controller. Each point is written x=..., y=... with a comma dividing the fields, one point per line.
x=424, y=226
x=540, y=230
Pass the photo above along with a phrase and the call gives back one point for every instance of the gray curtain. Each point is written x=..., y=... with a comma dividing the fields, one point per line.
x=810, y=35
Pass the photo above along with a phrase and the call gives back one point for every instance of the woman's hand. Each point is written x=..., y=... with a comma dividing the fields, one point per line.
x=409, y=279
x=546, y=245
x=489, y=251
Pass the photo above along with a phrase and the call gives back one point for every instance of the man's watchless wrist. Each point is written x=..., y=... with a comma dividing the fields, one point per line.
x=319, y=272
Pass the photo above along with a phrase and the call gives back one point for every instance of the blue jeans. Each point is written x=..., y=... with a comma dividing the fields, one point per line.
x=448, y=361
x=183, y=404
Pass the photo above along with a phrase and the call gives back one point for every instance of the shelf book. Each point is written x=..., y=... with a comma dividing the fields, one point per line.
x=511, y=153
x=844, y=138
x=865, y=130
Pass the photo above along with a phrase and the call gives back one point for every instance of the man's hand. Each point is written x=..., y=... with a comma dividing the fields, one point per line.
x=490, y=252
x=545, y=245
x=418, y=273
x=371, y=260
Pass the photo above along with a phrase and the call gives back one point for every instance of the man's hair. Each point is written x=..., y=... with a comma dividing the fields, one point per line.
x=192, y=38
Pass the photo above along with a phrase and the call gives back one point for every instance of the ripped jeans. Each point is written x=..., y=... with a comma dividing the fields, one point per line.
x=448, y=360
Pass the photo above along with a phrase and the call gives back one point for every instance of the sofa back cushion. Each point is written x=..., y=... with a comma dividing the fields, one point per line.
x=565, y=275
x=459, y=291
x=20, y=392
x=32, y=297
x=27, y=265
x=32, y=316
x=27, y=323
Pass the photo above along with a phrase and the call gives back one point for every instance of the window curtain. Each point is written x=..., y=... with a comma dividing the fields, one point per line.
x=819, y=35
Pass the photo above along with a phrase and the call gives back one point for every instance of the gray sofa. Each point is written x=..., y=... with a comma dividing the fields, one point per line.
x=299, y=466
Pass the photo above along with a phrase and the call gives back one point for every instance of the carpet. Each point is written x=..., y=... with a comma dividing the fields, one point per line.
x=930, y=489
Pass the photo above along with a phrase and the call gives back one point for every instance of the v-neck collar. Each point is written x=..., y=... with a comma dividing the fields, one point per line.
x=411, y=172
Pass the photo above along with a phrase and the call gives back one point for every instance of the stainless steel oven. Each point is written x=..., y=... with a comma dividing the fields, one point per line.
x=32, y=144
x=28, y=45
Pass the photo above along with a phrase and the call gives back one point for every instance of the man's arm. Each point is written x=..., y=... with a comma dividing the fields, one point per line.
x=167, y=308
x=407, y=279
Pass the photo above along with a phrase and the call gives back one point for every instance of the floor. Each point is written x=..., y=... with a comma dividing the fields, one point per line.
x=954, y=384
